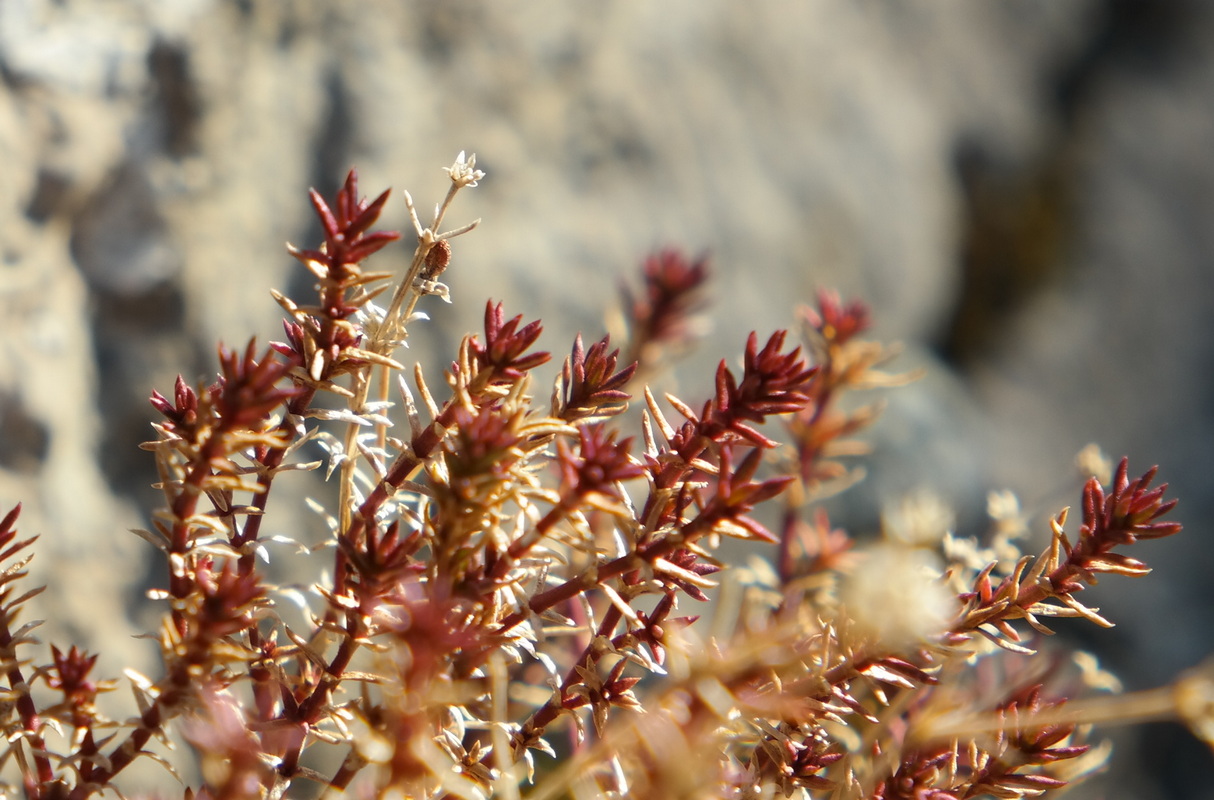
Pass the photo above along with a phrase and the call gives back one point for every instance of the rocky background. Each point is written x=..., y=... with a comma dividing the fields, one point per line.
x=1022, y=189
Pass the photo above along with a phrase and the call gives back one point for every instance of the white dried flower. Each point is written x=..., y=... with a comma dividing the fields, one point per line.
x=896, y=596
x=436, y=288
x=919, y=519
x=966, y=552
x=1003, y=506
x=1010, y=525
x=464, y=172
x=1092, y=462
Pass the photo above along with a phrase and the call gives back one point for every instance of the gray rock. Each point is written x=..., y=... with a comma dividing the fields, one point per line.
x=1023, y=186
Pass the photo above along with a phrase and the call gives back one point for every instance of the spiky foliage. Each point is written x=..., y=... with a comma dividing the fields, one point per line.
x=499, y=612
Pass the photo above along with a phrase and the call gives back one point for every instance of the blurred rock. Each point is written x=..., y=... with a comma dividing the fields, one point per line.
x=119, y=239
x=1021, y=189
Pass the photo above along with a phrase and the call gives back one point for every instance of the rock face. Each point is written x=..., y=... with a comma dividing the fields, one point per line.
x=1021, y=189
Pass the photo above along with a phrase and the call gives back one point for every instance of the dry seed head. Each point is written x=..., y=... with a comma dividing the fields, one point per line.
x=896, y=596
x=919, y=519
x=437, y=260
x=1092, y=462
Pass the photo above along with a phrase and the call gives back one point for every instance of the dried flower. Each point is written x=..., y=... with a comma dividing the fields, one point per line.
x=919, y=519
x=896, y=597
x=464, y=172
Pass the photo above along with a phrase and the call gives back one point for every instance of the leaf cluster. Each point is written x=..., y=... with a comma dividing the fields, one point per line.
x=497, y=609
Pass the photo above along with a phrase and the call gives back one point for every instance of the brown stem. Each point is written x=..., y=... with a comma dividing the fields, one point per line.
x=270, y=461
x=547, y=713
x=308, y=711
x=184, y=505
x=88, y=748
x=29, y=718
x=351, y=766
x=150, y=721
x=521, y=546
x=405, y=464
x=785, y=558
x=590, y=578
